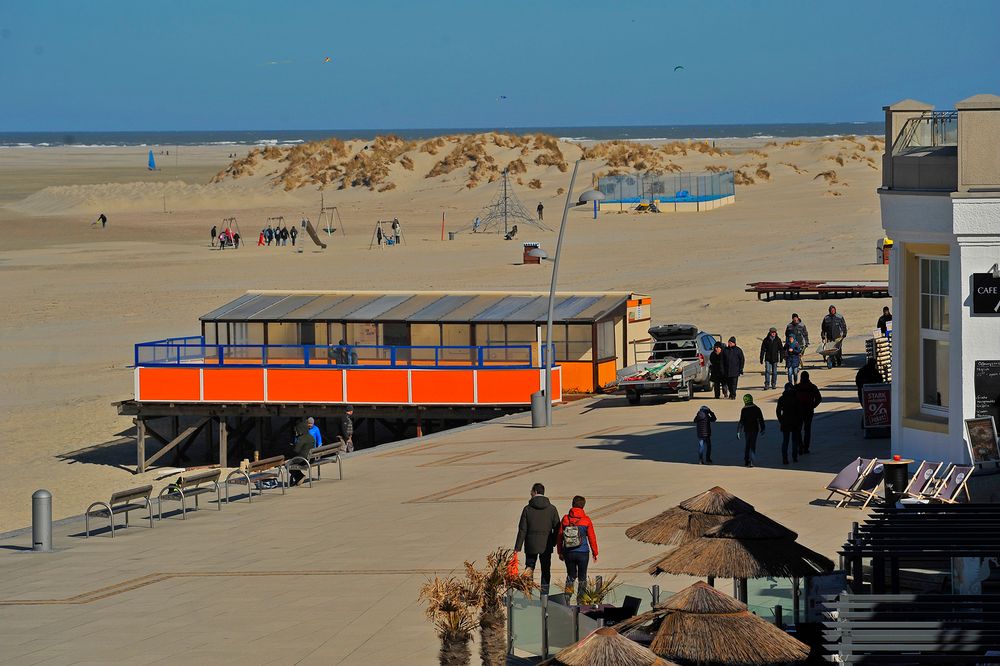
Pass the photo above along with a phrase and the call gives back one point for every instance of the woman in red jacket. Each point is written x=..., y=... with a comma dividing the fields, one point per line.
x=576, y=543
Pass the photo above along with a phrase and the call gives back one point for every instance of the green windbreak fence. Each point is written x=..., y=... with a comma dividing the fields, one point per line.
x=668, y=187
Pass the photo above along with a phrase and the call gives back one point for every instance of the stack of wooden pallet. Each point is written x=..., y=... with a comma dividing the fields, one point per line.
x=879, y=347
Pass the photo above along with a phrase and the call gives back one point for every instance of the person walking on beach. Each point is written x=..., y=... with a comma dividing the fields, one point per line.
x=798, y=329
x=536, y=533
x=103, y=219
x=260, y=239
x=772, y=352
x=314, y=431
x=540, y=208
x=834, y=328
x=732, y=362
x=293, y=234
x=236, y=239
x=576, y=542
x=268, y=235
x=751, y=425
x=703, y=421
x=397, y=231
x=716, y=374
x=793, y=358
x=883, y=321
x=215, y=232
x=809, y=399
x=347, y=428
x=790, y=419
x=378, y=234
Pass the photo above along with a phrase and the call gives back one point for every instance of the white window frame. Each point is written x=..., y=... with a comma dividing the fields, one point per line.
x=930, y=333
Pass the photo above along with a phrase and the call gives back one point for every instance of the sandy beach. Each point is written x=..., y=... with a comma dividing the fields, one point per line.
x=77, y=297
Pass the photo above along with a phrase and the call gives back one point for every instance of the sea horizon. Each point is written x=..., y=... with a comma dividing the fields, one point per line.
x=720, y=131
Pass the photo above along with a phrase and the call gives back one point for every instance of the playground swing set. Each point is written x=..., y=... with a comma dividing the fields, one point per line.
x=393, y=237
x=230, y=236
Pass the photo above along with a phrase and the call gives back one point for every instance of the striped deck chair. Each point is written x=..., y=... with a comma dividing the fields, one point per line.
x=867, y=488
x=924, y=480
x=953, y=485
x=845, y=481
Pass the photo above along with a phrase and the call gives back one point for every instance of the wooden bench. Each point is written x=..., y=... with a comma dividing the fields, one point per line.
x=191, y=485
x=318, y=457
x=268, y=468
x=121, y=502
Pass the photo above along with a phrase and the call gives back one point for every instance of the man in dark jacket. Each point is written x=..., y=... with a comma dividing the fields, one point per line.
x=347, y=428
x=732, y=363
x=772, y=352
x=536, y=533
x=703, y=429
x=834, y=328
x=809, y=399
x=302, y=444
x=797, y=329
x=790, y=419
x=868, y=374
x=751, y=425
x=883, y=321
x=715, y=372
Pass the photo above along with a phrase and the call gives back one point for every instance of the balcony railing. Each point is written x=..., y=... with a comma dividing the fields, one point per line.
x=930, y=130
x=194, y=352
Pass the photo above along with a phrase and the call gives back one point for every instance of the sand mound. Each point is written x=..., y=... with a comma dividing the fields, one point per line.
x=143, y=197
x=829, y=176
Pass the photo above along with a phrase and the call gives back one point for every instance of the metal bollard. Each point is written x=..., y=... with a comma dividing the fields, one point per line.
x=41, y=521
x=655, y=593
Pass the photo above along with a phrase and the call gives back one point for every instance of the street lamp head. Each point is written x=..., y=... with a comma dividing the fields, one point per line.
x=538, y=253
x=590, y=195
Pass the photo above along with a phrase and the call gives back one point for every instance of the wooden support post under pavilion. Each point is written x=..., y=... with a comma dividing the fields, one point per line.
x=140, y=445
x=223, y=444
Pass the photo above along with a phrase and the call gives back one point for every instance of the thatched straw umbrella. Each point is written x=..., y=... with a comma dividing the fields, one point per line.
x=690, y=519
x=702, y=625
x=606, y=647
x=747, y=546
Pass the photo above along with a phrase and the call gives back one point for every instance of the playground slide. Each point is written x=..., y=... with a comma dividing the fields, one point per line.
x=314, y=235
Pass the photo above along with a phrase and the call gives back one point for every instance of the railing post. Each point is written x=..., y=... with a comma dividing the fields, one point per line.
x=437, y=358
x=219, y=352
x=545, y=626
x=392, y=356
x=305, y=352
x=479, y=356
x=509, y=600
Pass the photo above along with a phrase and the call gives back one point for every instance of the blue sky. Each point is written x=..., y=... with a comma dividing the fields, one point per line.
x=203, y=64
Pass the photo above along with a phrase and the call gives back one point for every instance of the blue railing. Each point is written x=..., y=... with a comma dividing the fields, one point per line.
x=194, y=352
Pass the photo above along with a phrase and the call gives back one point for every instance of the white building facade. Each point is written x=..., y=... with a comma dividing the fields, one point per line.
x=940, y=203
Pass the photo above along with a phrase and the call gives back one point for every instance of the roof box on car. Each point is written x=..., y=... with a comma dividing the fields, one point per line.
x=666, y=332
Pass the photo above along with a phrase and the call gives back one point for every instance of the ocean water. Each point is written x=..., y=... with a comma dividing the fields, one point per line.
x=291, y=137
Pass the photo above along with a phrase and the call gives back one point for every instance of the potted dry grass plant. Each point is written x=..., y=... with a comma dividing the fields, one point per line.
x=489, y=586
x=451, y=606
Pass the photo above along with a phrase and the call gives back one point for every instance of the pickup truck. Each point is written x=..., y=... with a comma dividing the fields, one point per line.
x=677, y=364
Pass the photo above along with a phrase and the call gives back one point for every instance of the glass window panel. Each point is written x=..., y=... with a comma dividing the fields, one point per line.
x=362, y=334
x=579, y=342
x=925, y=311
x=945, y=320
x=935, y=277
x=944, y=278
x=425, y=334
x=925, y=277
x=210, y=336
x=282, y=334
x=606, y=339
x=935, y=373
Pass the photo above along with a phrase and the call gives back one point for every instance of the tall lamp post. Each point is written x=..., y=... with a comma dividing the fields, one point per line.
x=585, y=197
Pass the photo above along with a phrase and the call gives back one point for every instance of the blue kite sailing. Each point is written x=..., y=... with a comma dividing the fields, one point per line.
x=152, y=162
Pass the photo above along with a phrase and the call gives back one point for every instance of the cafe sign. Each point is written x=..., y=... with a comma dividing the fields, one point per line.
x=985, y=294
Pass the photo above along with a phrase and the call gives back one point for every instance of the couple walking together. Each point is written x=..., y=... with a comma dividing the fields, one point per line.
x=541, y=530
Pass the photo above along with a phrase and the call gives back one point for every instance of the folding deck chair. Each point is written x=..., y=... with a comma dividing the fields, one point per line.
x=924, y=480
x=845, y=482
x=866, y=489
x=953, y=485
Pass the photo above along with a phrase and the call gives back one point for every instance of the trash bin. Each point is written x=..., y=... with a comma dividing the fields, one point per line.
x=897, y=475
x=538, y=409
x=451, y=235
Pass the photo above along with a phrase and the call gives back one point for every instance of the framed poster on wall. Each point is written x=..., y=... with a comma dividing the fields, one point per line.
x=982, y=439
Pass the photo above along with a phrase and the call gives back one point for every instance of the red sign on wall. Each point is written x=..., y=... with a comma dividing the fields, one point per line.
x=875, y=399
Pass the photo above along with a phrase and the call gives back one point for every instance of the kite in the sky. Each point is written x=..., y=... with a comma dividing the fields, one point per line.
x=279, y=62
x=327, y=59
x=678, y=67
x=501, y=97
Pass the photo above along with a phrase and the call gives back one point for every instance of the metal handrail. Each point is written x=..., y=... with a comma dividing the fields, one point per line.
x=939, y=122
x=201, y=354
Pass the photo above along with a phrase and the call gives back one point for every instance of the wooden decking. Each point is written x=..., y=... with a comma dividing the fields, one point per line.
x=795, y=289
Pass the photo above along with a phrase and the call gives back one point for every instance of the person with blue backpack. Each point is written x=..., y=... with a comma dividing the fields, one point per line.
x=576, y=543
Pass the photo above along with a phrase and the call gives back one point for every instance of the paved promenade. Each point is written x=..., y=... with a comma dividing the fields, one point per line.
x=330, y=574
